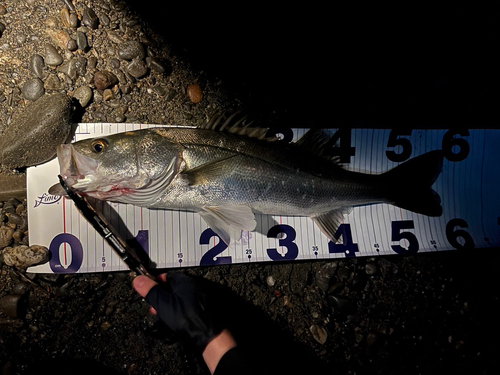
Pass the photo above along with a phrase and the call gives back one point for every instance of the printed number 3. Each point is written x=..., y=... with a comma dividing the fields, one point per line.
x=397, y=235
x=292, y=249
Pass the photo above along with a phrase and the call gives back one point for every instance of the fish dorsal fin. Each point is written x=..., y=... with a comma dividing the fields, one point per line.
x=236, y=124
x=228, y=221
x=319, y=142
x=330, y=221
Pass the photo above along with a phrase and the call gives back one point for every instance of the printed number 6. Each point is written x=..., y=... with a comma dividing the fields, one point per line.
x=452, y=235
x=397, y=235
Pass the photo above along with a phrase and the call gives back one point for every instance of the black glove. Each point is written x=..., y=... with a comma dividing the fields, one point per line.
x=186, y=307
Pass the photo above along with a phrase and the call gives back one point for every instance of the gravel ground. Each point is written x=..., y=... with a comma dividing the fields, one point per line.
x=144, y=62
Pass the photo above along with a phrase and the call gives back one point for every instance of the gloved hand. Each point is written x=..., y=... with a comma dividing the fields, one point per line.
x=184, y=305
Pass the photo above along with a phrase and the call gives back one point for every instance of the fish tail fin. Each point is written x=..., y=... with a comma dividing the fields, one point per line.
x=409, y=184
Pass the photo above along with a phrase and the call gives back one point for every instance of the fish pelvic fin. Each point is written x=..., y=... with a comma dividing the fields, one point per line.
x=409, y=184
x=330, y=221
x=228, y=221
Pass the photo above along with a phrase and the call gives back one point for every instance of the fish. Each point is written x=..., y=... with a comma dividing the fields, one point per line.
x=228, y=173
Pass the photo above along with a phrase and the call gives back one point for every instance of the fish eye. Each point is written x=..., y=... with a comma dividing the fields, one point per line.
x=99, y=145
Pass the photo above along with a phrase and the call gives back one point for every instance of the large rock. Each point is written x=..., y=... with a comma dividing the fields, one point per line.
x=33, y=135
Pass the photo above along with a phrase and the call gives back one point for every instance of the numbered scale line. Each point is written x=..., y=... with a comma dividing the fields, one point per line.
x=467, y=185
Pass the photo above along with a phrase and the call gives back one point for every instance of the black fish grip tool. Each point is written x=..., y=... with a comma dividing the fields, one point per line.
x=110, y=235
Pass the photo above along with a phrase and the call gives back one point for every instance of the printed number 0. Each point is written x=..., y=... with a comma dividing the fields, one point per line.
x=292, y=249
x=76, y=253
x=397, y=235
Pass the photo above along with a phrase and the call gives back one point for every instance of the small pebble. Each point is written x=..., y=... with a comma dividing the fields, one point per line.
x=324, y=275
x=107, y=95
x=131, y=49
x=73, y=21
x=6, y=234
x=104, y=79
x=319, y=333
x=33, y=89
x=2, y=29
x=52, y=83
x=64, y=14
x=90, y=19
x=157, y=65
x=69, y=68
x=10, y=305
x=20, y=288
x=52, y=57
x=72, y=45
x=81, y=41
x=371, y=269
x=270, y=281
x=137, y=68
x=23, y=256
x=83, y=94
x=2, y=10
x=194, y=93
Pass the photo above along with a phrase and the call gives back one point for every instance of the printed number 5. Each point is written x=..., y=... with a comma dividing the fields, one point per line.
x=397, y=235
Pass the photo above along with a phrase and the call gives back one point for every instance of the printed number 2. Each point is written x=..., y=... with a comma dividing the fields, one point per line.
x=292, y=249
x=210, y=257
x=397, y=235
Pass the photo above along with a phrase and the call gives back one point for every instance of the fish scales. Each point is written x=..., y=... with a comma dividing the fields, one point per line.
x=228, y=177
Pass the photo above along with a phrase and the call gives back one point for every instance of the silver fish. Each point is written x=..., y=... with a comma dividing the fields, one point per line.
x=227, y=175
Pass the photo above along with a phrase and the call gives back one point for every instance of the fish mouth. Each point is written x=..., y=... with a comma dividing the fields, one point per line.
x=77, y=170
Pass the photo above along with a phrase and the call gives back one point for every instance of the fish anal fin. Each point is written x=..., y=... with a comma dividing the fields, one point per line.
x=330, y=221
x=228, y=221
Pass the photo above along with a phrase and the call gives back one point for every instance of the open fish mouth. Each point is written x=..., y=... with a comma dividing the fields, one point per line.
x=77, y=170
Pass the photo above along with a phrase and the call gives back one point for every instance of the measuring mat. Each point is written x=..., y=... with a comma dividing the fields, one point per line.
x=469, y=187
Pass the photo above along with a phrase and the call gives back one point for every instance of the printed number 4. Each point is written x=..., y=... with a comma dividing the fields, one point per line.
x=398, y=235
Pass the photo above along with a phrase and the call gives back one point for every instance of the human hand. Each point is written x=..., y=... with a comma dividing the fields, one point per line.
x=183, y=304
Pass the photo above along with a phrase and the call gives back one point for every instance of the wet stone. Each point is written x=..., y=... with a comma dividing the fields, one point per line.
x=6, y=234
x=194, y=93
x=52, y=83
x=64, y=15
x=23, y=256
x=33, y=89
x=324, y=275
x=371, y=269
x=20, y=288
x=104, y=79
x=52, y=57
x=10, y=305
x=37, y=65
x=131, y=49
x=158, y=66
x=35, y=131
x=81, y=41
x=90, y=19
x=73, y=21
x=69, y=68
x=83, y=94
x=137, y=68
x=319, y=333
x=72, y=45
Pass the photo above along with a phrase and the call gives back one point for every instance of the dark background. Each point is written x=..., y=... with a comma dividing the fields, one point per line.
x=328, y=66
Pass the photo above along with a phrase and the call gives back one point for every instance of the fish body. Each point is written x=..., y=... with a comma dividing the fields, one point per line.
x=227, y=176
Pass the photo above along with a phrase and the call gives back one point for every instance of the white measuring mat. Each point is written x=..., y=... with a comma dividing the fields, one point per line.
x=469, y=187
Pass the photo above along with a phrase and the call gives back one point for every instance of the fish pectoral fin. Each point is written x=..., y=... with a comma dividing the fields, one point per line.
x=330, y=221
x=228, y=221
x=208, y=172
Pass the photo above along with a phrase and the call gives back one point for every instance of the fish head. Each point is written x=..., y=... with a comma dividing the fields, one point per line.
x=118, y=167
